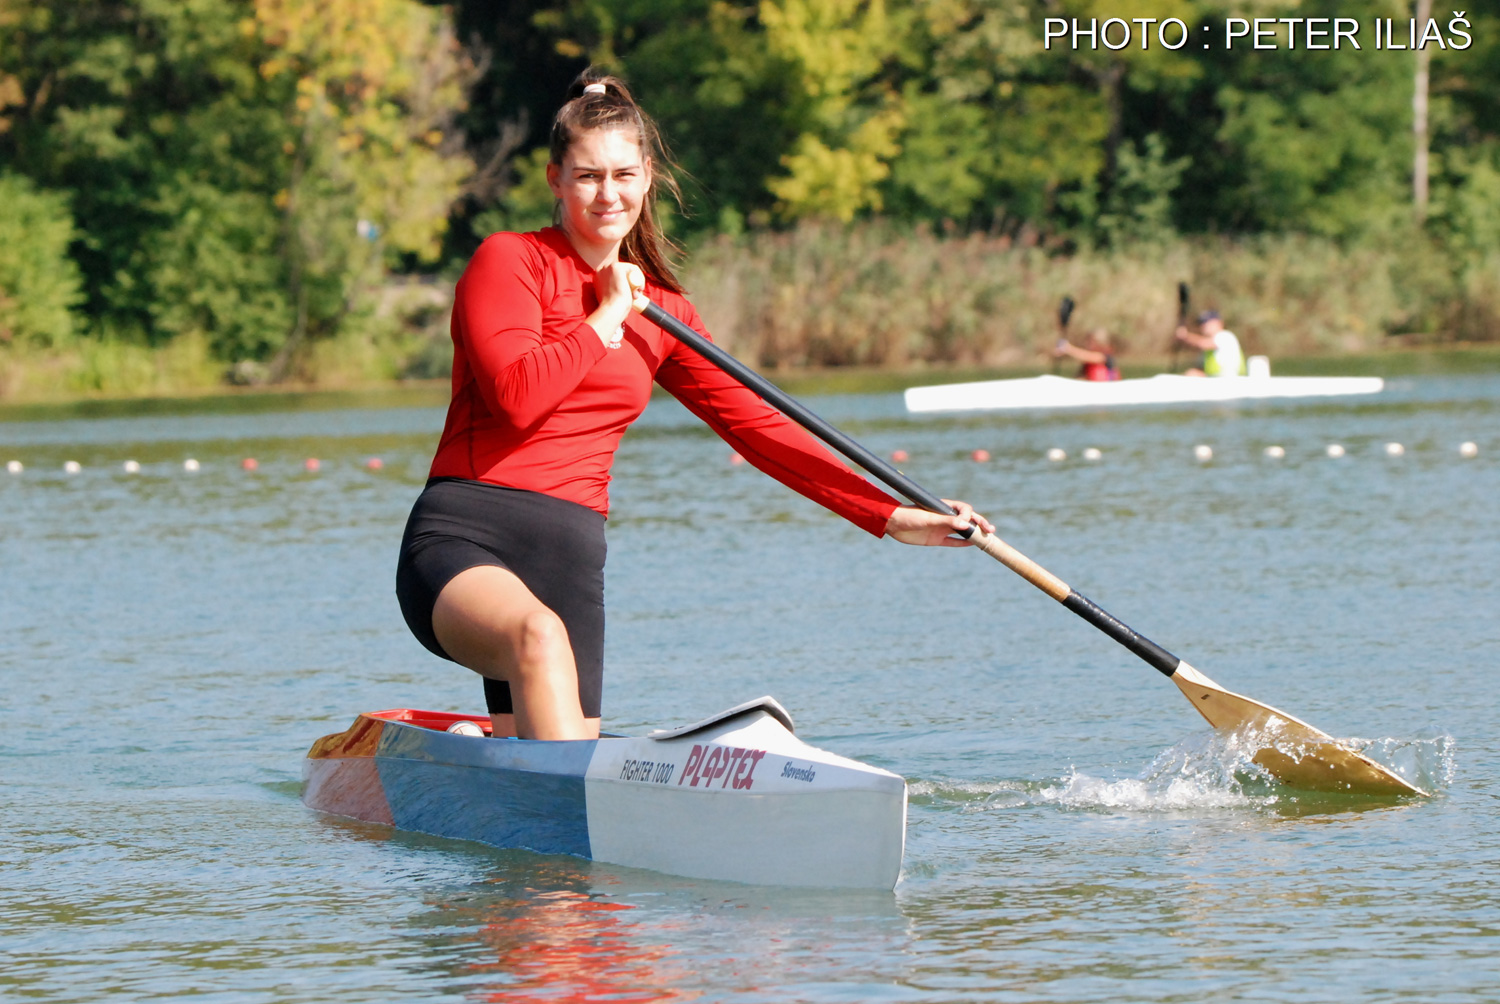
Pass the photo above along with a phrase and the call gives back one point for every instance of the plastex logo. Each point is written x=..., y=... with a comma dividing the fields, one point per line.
x=729, y=766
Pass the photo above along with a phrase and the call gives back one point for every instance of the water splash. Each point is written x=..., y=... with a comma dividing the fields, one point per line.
x=1427, y=759
x=1159, y=794
x=1207, y=770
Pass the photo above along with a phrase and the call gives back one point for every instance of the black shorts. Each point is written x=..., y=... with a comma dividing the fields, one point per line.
x=553, y=546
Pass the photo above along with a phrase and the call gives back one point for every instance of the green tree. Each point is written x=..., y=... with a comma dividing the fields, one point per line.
x=1138, y=208
x=369, y=90
x=39, y=283
x=230, y=161
x=1287, y=140
x=1000, y=132
x=1466, y=140
x=835, y=52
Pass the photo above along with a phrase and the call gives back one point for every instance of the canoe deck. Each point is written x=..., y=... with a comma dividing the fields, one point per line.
x=736, y=797
x=1164, y=388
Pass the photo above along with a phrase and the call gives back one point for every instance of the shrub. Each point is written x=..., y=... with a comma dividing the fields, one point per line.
x=39, y=283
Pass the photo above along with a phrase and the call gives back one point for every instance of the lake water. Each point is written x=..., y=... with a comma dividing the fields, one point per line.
x=173, y=642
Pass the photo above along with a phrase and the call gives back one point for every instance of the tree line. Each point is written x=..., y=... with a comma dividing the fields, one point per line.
x=249, y=174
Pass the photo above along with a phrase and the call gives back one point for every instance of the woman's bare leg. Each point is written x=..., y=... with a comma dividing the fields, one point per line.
x=487, y=620
x=503, y=725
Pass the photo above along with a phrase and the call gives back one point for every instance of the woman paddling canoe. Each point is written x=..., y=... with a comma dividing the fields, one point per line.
x=502, y=563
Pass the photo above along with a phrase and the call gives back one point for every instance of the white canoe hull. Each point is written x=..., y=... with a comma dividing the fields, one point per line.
x=812, y=818
x=1165, y=388
x=736, y=797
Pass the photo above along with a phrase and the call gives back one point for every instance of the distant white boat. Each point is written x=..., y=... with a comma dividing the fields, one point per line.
x=1164, y=388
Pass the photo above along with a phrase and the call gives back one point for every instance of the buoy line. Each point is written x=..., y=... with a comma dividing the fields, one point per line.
x=1202, y=452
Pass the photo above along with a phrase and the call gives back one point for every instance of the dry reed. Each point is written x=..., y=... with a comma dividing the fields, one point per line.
x=872, y=295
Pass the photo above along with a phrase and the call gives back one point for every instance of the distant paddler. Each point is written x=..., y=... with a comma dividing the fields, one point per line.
x=1096, y=355
x=1064, y=315
x=1222, y=355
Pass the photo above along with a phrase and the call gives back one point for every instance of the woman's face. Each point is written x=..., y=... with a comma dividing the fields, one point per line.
x=602, y=184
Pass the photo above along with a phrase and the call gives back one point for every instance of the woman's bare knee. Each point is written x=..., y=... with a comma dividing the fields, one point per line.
x=486, y=619
x=478, y=617
x=543, y=638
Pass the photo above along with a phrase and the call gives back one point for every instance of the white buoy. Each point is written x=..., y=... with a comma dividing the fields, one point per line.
x=1394, y=449
x=1335, y=450
x=1203, y=452
x=72, y=466
x=1464, y=450
x=190, y=464
x=1092, y=454
x=132, y=466
x=14, y=467
x=1056, y=454
x=1275, y=452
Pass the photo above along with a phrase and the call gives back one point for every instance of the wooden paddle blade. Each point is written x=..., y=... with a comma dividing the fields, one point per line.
x=1332, y=767
x=1298, y=755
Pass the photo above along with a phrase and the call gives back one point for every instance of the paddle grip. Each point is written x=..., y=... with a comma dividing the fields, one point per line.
x=1022, y=565
x=796, y=411
x=1147, y=650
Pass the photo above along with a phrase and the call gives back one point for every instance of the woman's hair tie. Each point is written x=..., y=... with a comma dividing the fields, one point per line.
x=594, y=89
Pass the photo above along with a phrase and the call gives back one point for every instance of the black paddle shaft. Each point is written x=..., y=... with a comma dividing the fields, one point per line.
x=1182, y=310
x=796, y=411
x=1153, y=654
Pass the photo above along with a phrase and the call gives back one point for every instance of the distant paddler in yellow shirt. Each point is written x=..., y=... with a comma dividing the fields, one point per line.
x=1222, y=355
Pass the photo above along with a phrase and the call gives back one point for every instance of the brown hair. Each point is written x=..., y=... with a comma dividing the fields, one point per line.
x=645, y=245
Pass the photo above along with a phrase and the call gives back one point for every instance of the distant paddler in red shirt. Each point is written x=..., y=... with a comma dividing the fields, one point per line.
x=1096, y=355
x=502, y=564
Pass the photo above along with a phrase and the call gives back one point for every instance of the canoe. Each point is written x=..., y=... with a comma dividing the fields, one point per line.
x=1164, y=388
x=736, y=797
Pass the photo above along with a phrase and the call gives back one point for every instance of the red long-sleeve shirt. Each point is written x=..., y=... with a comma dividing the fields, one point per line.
x=540, y=403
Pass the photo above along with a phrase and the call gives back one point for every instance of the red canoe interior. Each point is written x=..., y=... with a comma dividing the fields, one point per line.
x=439, y=720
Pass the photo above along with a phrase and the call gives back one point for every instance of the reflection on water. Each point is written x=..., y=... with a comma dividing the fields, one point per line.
x=533, y=927
x=173, y=641
x=565, y=945
x=554, y=939
x=560, y=930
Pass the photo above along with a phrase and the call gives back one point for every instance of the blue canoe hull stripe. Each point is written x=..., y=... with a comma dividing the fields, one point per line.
x=540, y=812
x=527, y=795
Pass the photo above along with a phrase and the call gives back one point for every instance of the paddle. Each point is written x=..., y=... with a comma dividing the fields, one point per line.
x=1064, y=313
x=1318, y=762
x=1182, y=312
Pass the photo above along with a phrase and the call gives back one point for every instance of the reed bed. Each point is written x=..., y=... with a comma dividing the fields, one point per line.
x=875, y=296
